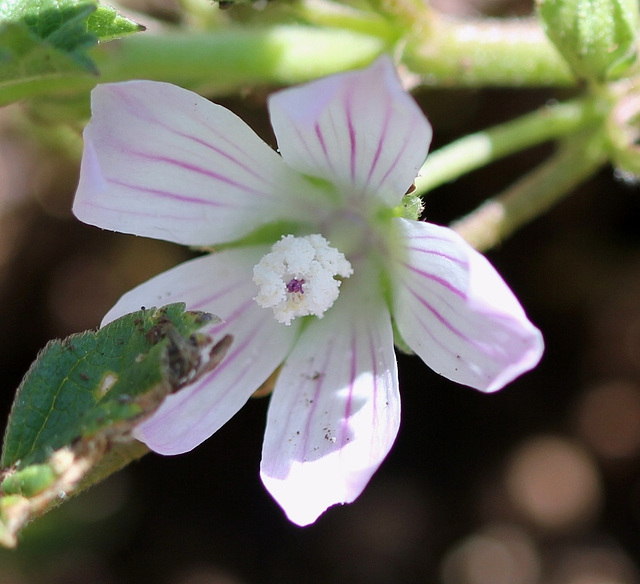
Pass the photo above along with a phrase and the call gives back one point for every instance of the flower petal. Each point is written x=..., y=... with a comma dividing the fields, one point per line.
x=360, y=130
x=163, y=162
x=221, y=284
x=335, y=410
x=455, y=311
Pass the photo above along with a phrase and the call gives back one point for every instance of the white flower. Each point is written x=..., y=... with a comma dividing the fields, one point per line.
x=316, y=232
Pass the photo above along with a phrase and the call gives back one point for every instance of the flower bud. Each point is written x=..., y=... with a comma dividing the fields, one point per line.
x=596, y=37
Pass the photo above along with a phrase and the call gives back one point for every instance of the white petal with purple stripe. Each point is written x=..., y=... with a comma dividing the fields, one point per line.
x=359, y=130
x=163, y=162
x=335, y=410
x=219, y=283
x=455, y=311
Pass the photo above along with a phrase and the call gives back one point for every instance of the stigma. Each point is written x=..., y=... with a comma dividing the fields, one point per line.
x=300, y=276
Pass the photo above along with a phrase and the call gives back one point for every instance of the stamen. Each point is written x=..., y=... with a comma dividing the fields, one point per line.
x=295, y=286
x=295, y=262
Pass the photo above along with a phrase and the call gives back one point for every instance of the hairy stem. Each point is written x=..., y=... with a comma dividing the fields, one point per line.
x=497, y=218
x=487, y=52
x=477, y=150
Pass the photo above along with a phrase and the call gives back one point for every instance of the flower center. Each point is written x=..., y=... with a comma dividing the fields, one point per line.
x=299, y=276
x=295, y=286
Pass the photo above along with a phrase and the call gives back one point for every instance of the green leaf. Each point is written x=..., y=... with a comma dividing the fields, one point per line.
x=74, y=412
x=45, y=42
x=72, y=25
x=58, y=24
x=107, y=24
x=24, y=57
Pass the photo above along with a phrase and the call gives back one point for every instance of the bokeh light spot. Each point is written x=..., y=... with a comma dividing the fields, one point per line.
x=501, y=554
x=553, y=483
x=608, y=418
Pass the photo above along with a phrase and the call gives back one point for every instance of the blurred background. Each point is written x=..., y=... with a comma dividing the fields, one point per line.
x=537, y=484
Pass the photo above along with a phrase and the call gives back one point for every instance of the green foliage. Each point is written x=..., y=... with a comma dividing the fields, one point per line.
x=46, y=42
x=74, y=412
x=598, y=38
x=106, y=24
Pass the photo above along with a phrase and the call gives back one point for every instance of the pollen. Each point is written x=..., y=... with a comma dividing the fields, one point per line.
x=300, y=276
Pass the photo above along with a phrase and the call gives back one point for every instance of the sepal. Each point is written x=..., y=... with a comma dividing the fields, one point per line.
x=598, y=38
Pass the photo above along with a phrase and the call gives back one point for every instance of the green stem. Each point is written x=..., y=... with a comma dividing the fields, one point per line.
x=227, y=59
x=576, y=160
x=63, y=84
x=480, y=53
x=215, y=62
x=477, y=150
x=327, y=13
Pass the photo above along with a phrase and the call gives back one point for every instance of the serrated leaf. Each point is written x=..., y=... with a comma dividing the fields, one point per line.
x=24, y=57
x=44, y=43
x=29, y=66
x=72, y=418
x=107, y=24
x=61, y=23
x=68, y=24
x=78, y=381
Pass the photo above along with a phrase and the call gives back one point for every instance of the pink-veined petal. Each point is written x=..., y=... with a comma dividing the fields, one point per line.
x=163, y=162
x=456, y=312
x=359, y=130
x=219, y=283
x=335, y=410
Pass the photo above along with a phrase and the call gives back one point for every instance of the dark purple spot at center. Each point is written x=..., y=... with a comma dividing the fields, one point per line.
x=295, y=286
